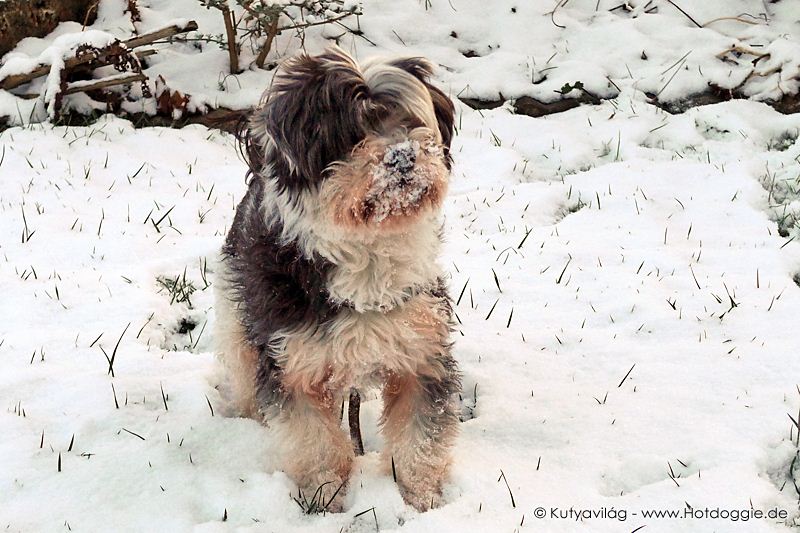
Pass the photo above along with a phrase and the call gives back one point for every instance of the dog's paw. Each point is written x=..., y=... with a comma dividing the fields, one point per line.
x=422, y=500
x=325, y=494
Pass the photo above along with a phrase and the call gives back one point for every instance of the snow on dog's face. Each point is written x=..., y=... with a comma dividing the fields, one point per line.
x=387, y=181
x=370, y=143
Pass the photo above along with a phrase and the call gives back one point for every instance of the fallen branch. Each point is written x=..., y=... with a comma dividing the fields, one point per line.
x=93, y=85
x=526, y=105
x=16, y=80
x=788, y=104
x=102, y=83
x=152, y=36
x=145, y=53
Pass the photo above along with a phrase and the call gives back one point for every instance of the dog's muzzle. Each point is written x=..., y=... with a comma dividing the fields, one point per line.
x=388, y=180
x=402, y=179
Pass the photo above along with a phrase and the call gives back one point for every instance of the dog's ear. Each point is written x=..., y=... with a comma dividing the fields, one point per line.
x=314, y=111
x=423, y=69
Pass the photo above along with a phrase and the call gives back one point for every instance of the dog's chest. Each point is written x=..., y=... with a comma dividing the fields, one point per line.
x=383, y=273
x=366, y=345
x=359, y=348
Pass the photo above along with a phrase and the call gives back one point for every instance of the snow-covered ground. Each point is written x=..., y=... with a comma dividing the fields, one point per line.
x=486, y=50
x=624, y=280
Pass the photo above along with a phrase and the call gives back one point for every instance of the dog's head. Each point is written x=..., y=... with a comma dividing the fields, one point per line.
x=371, y=141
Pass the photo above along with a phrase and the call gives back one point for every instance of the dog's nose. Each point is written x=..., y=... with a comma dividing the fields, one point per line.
x=400, y=158
x=404, y=179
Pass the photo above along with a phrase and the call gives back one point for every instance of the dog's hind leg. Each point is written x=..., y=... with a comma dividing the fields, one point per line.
x=420, y=424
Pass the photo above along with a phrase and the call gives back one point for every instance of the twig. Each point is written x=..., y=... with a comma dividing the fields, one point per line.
x=737, y=19
x=356, y=33
x=320, y=22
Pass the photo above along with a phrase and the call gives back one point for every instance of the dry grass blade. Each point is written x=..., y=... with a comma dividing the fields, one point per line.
x=503, y=477
x=114, y=353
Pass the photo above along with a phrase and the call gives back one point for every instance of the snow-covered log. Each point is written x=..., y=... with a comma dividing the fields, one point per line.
x=43, y=66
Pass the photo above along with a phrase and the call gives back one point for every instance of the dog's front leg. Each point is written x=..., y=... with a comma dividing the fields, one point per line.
x=420, y=425
x=318, y=454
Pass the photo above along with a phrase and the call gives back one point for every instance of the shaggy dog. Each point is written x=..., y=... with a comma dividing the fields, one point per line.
x=329, y=277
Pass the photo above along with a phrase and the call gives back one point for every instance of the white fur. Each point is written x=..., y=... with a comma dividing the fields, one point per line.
x=372, y=270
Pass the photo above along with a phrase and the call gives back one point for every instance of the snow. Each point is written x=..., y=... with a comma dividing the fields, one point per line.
x=624, y=280
x=62, y=48
x=401, y=179
x=490, y=50
x=54, y=56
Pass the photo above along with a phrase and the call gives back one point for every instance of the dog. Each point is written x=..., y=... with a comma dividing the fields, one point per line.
x=328, y=277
